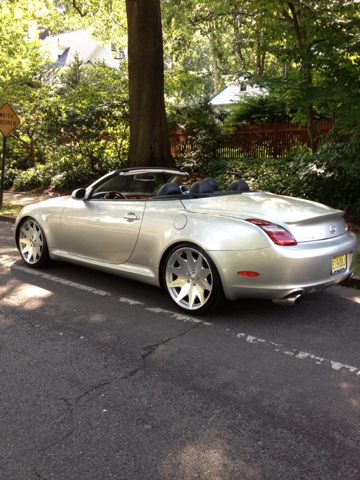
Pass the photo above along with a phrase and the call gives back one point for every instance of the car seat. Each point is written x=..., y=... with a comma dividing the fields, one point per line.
x=239, y=186
x=169, y=189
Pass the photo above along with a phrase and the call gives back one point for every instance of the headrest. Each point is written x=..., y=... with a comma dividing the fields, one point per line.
x=239, y=185
x=201, y=187
x=213, y=183
x=169, y=189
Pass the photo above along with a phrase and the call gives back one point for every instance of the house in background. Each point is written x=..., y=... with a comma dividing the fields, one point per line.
x=64, y=46
x=229, y=95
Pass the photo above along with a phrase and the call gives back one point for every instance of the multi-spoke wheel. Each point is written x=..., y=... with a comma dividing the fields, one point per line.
x=32, y=243
x=191, y=279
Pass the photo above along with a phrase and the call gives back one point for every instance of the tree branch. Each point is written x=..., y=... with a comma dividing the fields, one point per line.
x=211, y=16
x=241, y=57
x=286, y=17
x=78, y=9
x=296, y=25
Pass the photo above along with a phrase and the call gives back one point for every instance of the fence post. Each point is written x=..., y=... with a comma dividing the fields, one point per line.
x=276, y=139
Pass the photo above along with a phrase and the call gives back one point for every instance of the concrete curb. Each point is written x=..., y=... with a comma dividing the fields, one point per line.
x=7, y=218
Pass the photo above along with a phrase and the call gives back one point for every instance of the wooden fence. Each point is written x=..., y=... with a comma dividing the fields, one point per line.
x=254, y=141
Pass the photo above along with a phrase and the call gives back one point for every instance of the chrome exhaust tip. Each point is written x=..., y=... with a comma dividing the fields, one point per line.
x=348, y=278
x=293, y=299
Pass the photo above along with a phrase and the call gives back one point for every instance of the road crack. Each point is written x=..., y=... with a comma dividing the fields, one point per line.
x=150, y=349
x=69, y=424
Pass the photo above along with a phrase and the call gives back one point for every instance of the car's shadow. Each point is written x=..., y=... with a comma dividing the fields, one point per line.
x=322, y=309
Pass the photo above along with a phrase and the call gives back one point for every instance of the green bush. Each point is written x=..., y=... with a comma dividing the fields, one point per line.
x=37, y=177
x=110, y=164
x=330, y=176
x=62, y=175
x=73, y=178
x=260, y=108
x=72, y=173
x=200, y=124
x=9, y=176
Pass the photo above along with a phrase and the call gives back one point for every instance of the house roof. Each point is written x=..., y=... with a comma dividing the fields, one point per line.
x=71, y=43
x=230, y=94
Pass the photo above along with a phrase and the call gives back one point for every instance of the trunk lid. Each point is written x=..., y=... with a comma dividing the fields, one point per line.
x=307, y=221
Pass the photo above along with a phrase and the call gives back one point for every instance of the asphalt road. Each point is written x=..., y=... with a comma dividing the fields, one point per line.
x=101, y=378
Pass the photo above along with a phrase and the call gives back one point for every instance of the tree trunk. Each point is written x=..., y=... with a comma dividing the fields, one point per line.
x=241, y=58
x=300, y=36
x=311, y=127
x=216, y=85
x=149, y=134
x=263, y=55
x=258, y=59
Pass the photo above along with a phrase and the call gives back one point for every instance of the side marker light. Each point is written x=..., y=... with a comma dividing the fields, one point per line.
x=248, y=274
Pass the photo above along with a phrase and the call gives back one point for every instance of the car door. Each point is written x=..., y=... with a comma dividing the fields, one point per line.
x=102, y=230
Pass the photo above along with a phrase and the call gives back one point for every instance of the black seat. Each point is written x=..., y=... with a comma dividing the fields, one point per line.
x=239, y=186
x=169, y=189
x=213, y=183
x=201, y=187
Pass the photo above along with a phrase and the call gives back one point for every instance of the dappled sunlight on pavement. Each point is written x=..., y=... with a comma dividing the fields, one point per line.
x=28, y=297
x=354, y=299
x=208, y=458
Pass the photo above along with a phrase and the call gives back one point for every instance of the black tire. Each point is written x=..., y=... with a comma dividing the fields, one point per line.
x=191, y=279
x=32, y=244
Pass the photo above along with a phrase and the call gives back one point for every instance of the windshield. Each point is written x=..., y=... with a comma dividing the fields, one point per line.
x=139, y=184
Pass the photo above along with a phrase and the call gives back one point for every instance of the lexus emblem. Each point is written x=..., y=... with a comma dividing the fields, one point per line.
x=332, y=229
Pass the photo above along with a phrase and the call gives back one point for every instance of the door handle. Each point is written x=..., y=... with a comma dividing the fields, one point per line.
x=131, y=216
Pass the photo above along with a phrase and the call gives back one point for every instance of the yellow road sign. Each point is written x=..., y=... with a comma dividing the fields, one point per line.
x=8, y=119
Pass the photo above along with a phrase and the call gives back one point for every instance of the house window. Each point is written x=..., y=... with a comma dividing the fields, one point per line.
x=117, y=52
x=242, y=88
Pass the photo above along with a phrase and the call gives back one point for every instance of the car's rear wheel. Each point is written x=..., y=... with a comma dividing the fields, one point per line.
x=32, y=243
x=191, y=279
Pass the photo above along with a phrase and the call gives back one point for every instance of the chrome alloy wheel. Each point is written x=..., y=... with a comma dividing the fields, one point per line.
x=189, y=278
x=31, y=242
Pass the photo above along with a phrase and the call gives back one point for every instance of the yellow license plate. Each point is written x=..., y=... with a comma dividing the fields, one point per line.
x=338, y=264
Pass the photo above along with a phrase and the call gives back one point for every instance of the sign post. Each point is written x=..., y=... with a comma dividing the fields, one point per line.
x=8, y=121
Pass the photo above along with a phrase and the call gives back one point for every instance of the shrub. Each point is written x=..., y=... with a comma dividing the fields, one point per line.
x=64, y=174
x=330, y=176
x=9, y=176
x=201, y=127
x=32, y=178
x=71, y=179
x=260, y=108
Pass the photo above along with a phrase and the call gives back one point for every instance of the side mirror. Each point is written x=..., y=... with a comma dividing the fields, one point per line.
x=79, y=194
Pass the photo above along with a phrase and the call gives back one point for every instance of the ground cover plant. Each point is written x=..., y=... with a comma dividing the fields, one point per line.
x=357, y=268
x=10, y=209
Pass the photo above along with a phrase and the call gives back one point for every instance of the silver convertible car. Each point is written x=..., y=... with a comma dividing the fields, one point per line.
x=198, y=243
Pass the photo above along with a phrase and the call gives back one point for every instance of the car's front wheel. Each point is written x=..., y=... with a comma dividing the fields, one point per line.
x=32, y=243
x=191, y=279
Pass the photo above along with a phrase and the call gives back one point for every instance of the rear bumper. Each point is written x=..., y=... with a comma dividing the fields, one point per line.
x=283, y=270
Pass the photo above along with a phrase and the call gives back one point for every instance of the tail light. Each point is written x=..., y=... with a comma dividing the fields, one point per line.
x=347, y=227
x=278, y=234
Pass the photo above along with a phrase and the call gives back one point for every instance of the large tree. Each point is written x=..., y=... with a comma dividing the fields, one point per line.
x=149, y=134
